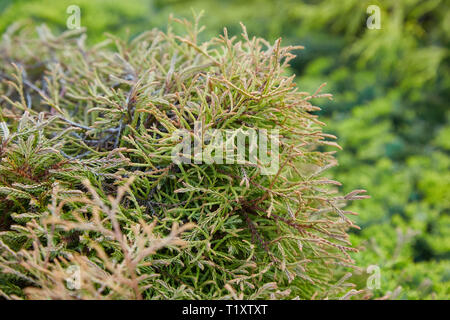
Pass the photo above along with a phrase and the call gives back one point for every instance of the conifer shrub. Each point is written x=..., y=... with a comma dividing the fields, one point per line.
x=92, y=205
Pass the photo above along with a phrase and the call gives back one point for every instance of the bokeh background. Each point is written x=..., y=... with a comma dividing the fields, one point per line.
x=390, y=109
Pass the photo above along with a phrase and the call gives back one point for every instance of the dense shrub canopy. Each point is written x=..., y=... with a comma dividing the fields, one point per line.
x=87, y=177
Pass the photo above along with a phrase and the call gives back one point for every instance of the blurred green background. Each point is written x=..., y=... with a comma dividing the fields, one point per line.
x=390, y=109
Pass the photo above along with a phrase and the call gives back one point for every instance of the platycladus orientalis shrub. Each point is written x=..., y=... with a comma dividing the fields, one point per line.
x=96, y=204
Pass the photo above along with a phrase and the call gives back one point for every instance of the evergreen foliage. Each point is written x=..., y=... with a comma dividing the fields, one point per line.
x=87, y=177
x=390, y=108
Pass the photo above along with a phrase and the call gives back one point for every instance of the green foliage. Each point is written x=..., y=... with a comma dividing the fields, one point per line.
x=390, y=89
x=80, y=121
x=98, y=16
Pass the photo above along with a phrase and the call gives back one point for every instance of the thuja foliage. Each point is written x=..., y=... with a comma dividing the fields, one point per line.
x=87, y=179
